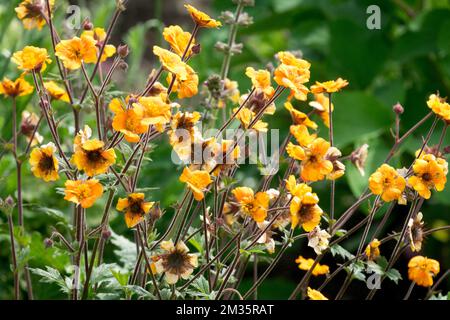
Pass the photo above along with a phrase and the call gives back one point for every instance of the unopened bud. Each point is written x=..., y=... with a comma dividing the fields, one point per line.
x=123, y=65
x=447, y=150
x=398, y=109
x=87, y=25
x=106, y=234
x=196, y=48
x=9, y=201
x=48, y=243
x=123, y=50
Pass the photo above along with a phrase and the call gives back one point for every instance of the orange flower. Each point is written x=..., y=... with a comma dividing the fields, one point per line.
x=292, y=73
x=246, y=116
x=31, y=59
x=299, y=117
x=178, y=39
x=17, y=88
x=91, y=157
x=305, y=211
x=430, y=172
x=56, y=92
x=253, y=205
x=315, y=166
x=156, y=112
x=128, y=121
x=261, y=81
x=315, y=295
x=439, y=106
x=387, y=182
x=329, y=86
x=297, y=190
x=99, y=36
x=185, y=88
x=201, y=18
x=421, y=270
x=33, y=12
x=306, y=264
x=172, y=63
x=43, y=162
x=77, y=50
x=321, y=106
x=135, y=208
x=372, y=250
x=301, y=134
x=197, y=181
x=83, y=193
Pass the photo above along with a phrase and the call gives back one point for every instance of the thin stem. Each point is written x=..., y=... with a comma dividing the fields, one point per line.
x=408, y=293
x=14, y=258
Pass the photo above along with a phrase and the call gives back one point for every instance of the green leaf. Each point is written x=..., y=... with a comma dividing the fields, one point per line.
x=340, y=251
x=51, y=275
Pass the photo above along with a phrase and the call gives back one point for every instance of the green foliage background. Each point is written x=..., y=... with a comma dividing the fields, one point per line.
x=405, y=61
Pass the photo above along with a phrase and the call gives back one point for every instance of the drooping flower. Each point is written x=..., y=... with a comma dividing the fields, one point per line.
x=83, y=192
x=305, y=211
x=230, y=92
x=315, y=295
x=302, y=135
x=266, y=237
x=175, y=261
x=178, y=40
x=421, y=270
x=186, y=88
x=251, y=204
x=43, y=162
x=321, y=106
x=439, y=106
x=315, y=166
x=31, y=59
x=297, y=189
x=56, y=92
x=156, y=111
x=27, y=127
x=261, y=81
x=82, y=136
x=92, y=158
x=306, y=264
x=372, y=250
x=333, y=155
x=201, y=18
x=247, y=116
x=295, y=152
x=430, y=172
x=99, y=35
x=388, y=183
x=415, y=233
x=331, y=86
x=135, y=208
x=298, y=117
x=128, y=121
x=172, y=63
x=197, y=181
x=17, y=88
x=318, y=239
x=359, y=158
x=33, y=13
x=76, y=51
x=293, y=73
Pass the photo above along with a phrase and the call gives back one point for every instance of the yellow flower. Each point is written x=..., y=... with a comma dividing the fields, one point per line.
x=56, y=92
x=305, y=211
x=322, y=107
x=156, y=112
x=172, y=63
x=289, y=59
x=246, y=116
x=295, y=189
x=17, y=88
x=261, y=81
x=372, y=250
x=230, y=92
x=292, y=73
x=99, y=35
x=128, y=121
x=182, y=123
x=430, y=172
x=295, y=152
x=439, y=106
x=315, y=295
x=329, y=86
x=33, y=12
x=175, y=261
x=306, y=264
x=43, y=162
x=387, y=182
x=197, y=181
x=77, y=50
x=315, y=166
x=185, y=88
x=83, y=193
x=301, y=134
x=135, y=208
x=91, y=157
x=253, y=205
x=27, y=127
x=178, y=40
x=298, y=117
x=421, y=270
x=333, y=155
x=201, y=18
x=31, y=59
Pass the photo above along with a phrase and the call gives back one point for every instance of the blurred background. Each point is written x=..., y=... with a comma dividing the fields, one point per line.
x=404, y=61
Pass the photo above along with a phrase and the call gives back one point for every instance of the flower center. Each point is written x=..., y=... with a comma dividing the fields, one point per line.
x=46, y=164
x=95, y=155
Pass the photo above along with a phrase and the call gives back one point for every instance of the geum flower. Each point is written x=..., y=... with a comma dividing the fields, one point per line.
x=28, y=127
x=129, y=122
x=247, y=117
x=91, y=157
x=175, y=261
x=17, y=88
x=135, y=208
x=421, y=270
x=300, y=118
x=33, y=13
x=293, y=73
x=197, y=181
x=172, y=63
x=201, y=18
x=372, y=251
x=183, y=133
x=331, y=86
x=318, y=240
x=429, y=172
x=83, y=192
x=56, y=92
x=261, y=81
x=156, y=112
x=415, y=233
x=31, y=59
x=321, y=106
x=43, y=162
x=186, y=88
x=305, y=211
x=387, y=183
x=251, y=204
x=76, y=51
x=99, y=35
x=439, y=106
x=315, y=166
x=315, y=295
x=178, y=40
x=306, y=264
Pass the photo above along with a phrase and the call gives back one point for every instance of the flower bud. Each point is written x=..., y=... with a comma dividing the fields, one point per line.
x=123, y=65
x=447, y=150
x=196, y=48
x=123, y=50
x=106, y=234
x=398, y=109
x=48, y=243
x=87, y=25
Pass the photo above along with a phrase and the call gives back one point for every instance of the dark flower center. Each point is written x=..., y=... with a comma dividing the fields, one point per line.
x=426, y=176
x=46, y=163
x=95, y=155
